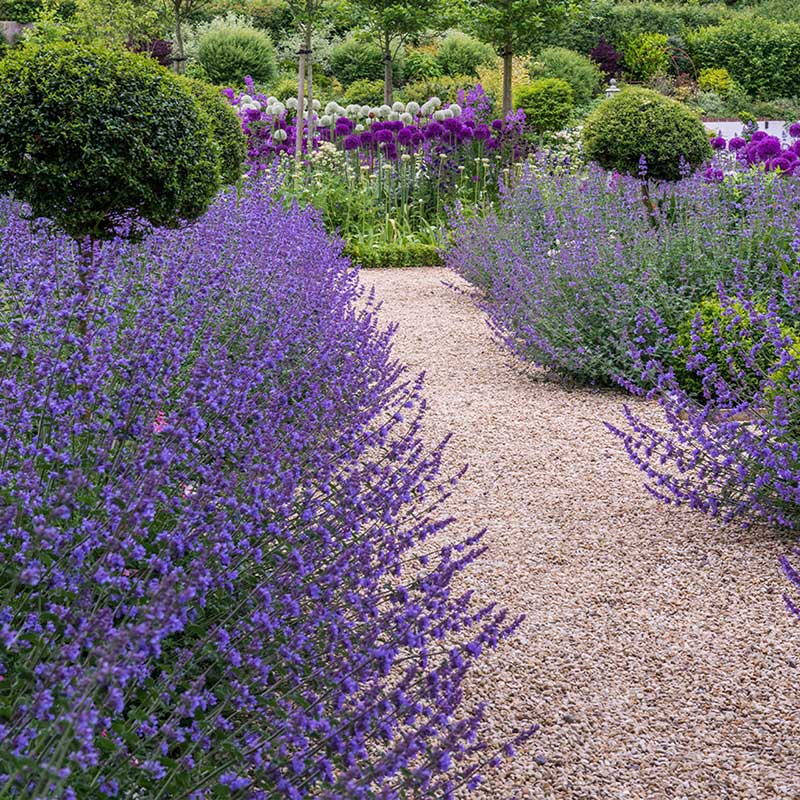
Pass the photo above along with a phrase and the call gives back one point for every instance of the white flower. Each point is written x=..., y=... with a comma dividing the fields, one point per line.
x=385, y=110
x=359, y=128
x=439, y=115
x=292, y=103
x=316, y=105
x=454, y=109
x=406, y=118
x=412, y=108
x=325, y=121
x=435, y=102
x=255, y=105
x=245, y=98
x=393, y=116
x=330, y=107
x=280, y=108
x=280, y=135
x=399, y=107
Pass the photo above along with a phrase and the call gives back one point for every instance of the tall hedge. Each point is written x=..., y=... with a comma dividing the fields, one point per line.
x=763, y=56
x=97, y=139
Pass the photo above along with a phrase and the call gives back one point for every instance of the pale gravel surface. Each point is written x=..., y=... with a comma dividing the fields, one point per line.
x=656, y=654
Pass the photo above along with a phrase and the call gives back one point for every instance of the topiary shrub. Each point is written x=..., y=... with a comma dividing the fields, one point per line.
x=548, y=103
x=97, y=140
x=225, y=127
x=354, y=60
x=364, y=92
x=580, y=72
x=460, y=54
x=646, y=55
x=641, y=122
x=228, y=55
x=716, y=80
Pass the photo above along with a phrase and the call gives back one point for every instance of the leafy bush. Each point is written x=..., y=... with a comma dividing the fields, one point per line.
x=225, y=127
x=445, y=88
x=210, y=502
x=364, y=92
x=97, y=139
x=548, y=103
x=577, y=70
x=285, y=88
x=355, y=60
x=641, y=122
x=229, y=55
x=422, y=65
x=718, y=81
x=607, y=58
x=762, y=56
x=646, y=55
x=459, y=54
x=410, y=254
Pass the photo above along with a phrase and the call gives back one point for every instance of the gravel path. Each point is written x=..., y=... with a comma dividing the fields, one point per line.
x=656, y=654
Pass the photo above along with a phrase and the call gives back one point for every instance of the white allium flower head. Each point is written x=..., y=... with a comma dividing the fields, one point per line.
x=398, y=107
x=412, y=108
x=385, y=110
x=426, y=109
x=279, y=109
x=255, y=105
x=292, y=103
x=325, y=121
x=351, y=110
x=245, y=98
x=375, y=111
x=316, y=105
x=329, y=107
x=271, y=100
x=439, y=115
x=393, y=116
x=365, y=111
x=435, y=102
x=455, y=108
x=339, y=110
x=406, y=118
x=280, y=135
x=359, y=128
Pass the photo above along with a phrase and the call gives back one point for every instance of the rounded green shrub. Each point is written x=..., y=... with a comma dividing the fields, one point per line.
x=286, y=88
x=354, y=60
x=364, y=92
x=548, y=103
x=716, y=80
x=459, y=54
x=445, y=88
x=97, y=139
x=580, y=72
x=225, y=127
x=421, y=65
x=230, y=54
x=641, y=122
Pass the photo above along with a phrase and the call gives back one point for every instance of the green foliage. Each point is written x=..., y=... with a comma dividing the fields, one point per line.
x=408, y=254
x=548, y=103
x=229, y=55
x=646, y=55
x=520, y=26
x=364, y=92
x=26, y=11
x=95, y=138
x=284, y=88
x=714, y=80
x=356, y=60
x=580, y=72
x=445, y=88
x=421, y=65
x=762, y=56
x=225, y=127
x=118, y=22
x=460, y=54
x=641, y=122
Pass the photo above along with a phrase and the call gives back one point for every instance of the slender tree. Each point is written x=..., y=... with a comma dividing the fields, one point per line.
x=180, y=12
x=514, y=27
x=393, y=22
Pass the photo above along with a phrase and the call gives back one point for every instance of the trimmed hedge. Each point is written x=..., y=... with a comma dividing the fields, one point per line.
x=229, y=54
x=548, y=103
x=413, y=254
x=580, y=72
x=354, y=60
x=641, y=122
x=460, y=54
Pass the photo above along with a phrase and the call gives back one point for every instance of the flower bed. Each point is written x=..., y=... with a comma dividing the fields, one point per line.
x=212, y=483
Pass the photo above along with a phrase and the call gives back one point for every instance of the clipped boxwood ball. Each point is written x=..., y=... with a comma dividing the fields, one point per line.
x=225, y=127
x=641, y=122
x=99, y=140
x=548, y=103
x=229, y=55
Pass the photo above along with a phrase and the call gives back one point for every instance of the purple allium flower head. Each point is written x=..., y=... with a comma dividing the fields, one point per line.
x=768, y=147
x=367, y=138
x=497, y=124
x=433, y=130
x=482, y=132
x=406, y=136
x=384, y=136
x=352, y=142
x=737, y=143
x=718, y=143
x=794, y=130
x=758, y=136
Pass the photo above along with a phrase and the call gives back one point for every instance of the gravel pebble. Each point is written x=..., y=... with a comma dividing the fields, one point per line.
x=662, y=632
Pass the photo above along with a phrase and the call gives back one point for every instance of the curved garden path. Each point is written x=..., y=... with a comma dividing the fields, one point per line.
x=656, y=654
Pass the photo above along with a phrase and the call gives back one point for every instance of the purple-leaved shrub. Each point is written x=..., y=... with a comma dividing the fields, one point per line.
x=213, y=482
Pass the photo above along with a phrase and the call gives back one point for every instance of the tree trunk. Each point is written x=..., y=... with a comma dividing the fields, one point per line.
x=388, y=76
x=508, y=64
x=310, y=84
x=298, y=120
x=179, y=63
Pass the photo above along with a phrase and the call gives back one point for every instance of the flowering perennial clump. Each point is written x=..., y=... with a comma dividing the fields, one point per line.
x=213, y=481
x=761, y=149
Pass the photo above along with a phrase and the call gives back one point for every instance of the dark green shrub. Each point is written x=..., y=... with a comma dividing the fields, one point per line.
x=225, y=127
x=229, y=54
x=580, y=72
x=354, y=60
x=410, y=254
x=641, y=122
x=548, y=103
x=95, y=139
x=460, y=54
x=421, y=65
x=761, y=55
x=364, y=92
